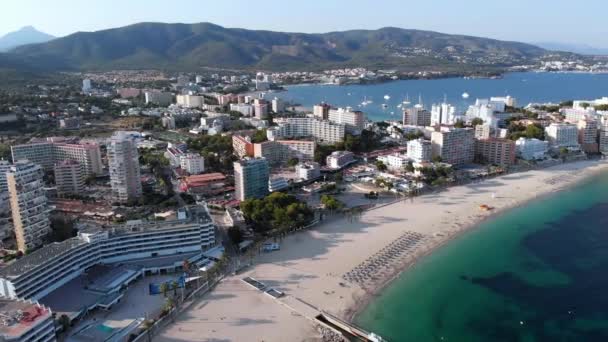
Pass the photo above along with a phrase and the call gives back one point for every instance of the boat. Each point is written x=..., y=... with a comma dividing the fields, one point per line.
x=384, y=105
x=465, y=95
x=386, y=97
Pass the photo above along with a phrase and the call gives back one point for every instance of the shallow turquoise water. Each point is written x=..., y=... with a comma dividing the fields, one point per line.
x=535, y=273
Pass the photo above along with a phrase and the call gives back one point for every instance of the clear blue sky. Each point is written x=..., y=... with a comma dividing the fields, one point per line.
x=568, y=21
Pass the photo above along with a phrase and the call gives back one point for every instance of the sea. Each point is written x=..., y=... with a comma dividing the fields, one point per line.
x=528, y=87
x=534, y=273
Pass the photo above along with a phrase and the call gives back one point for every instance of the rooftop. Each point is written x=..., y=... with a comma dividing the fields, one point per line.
x=18, y=316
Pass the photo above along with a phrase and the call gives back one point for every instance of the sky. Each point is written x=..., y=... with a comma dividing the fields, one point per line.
x=564, y=21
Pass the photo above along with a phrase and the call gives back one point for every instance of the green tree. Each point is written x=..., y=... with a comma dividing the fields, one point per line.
x=476, y=122
x=293, y=162
x=459, y=124
x=331, y=203
x=164, y=288
x=381, y=166
x=259, y=136
x=277, y=211
x=409, y=167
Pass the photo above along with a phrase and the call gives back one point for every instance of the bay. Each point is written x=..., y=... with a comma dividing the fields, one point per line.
x=525, y=87
x=535, y=273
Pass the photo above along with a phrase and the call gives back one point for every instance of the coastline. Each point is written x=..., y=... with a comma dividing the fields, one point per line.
x=359, y=307
x=313, y=266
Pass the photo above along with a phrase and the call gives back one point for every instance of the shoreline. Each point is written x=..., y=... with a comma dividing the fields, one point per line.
x=377, y=291
x=341, y=265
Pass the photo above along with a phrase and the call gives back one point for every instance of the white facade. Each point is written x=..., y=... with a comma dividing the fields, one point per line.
x=87, y=86
x=190, y=101
x=507, y=100
x=192, y=163
x=322, y=131
x=562, y=135
x=395, y=161
x=603, y=135
x=419, y=150
x=531, y=149
x=277, y=184
x=443, y=114
x=123, y=161
x=278, y=105
x=243, y=108
x=28, y=202
x=41, y=272
x=354, y=120
x=308, y=171
x=339, y=159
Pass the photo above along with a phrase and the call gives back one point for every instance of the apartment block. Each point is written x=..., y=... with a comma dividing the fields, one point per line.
x=192, y=163
x=123, y=161
x=588, y=134
x=28, y=203
x=419, y=150
x=251, y=178
x=53, y=150
x=495, y=151
x=531, y=149
x=323, y=131
x=562, y=135
x=339, y=159
x=69, y=178
x=26, y=321
x=280, y=151
x=354, y=120
x=455, y=146
x=416, y=116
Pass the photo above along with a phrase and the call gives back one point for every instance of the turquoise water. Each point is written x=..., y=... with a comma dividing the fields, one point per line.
x=526, y=87
x=536, y=273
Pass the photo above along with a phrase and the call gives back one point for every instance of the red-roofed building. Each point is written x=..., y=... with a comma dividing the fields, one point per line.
x=205, y=184
x=25, y=321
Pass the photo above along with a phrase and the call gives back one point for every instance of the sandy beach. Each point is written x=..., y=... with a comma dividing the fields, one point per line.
x=342, y=263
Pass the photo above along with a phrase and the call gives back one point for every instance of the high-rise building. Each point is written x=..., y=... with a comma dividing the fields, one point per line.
x=443, y=114
x=278, y=105
x=192, y=163
x=416, y=116
x=87, y=86
x=495, y=151
x=49, y=152
x=603, y=135
x=260, y=109
x=190, y=101
x=242, y=146
x=562, y=135
x=353, y=119
x=69, y=178
x=123, y=161
x=321, y=111
x=587, y=134
x=251, y=178
x=455, y=146
x=28, y=202
x=483, y=131
x=419, y=150
x=5, y=208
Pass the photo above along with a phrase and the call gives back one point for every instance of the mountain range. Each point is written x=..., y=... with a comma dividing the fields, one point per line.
x=582, y=49
x=23, y=36
x=192, y=46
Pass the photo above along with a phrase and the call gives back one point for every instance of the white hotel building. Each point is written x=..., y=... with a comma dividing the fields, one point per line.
x=37, y=274
x=562, y=135
x=323, y=131
x=419, y=150
x=531, y=149
x=354, y=120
